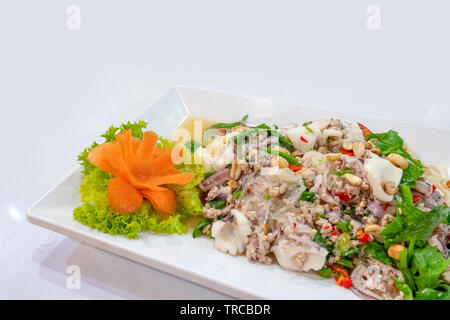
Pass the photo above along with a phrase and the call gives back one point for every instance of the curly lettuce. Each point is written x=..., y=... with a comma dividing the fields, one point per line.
x=94, y=211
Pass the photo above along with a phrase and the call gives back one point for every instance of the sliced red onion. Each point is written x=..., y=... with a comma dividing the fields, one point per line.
x=216, y=179
x=303, y=228
x=376, y=209
x=334, y=214
x=423, y=187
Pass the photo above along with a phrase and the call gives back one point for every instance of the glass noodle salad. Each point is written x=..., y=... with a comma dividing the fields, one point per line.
x=325, y=196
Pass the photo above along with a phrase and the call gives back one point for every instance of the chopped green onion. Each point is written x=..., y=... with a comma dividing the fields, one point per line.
x=237, y=194
x=308, y=196
x=342, y=172
x=405, y=191
x=267, y=197
x=308, y=128
x=218, y=204
x=289, y=158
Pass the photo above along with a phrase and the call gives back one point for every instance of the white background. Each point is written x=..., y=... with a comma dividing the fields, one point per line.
x=60, y=88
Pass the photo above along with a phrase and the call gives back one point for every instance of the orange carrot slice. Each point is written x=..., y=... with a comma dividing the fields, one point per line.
x=122, y=197
x=141, y=168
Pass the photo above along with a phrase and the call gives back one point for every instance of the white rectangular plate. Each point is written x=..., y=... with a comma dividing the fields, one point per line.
x=196, y=259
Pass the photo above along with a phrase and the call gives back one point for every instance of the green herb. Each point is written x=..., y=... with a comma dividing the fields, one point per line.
x=344, y=226
x=237, y=194
x=403, y=287
x=267, y=197
x=323, y=242
x=206, y=175
x=201, y=224
x=218, y=204
x=308, y=128
x=405, y=191
x=427, y=266
x=325, y=272
x=351, y=253
x=391, y=142
x=344, y=242
x=413, y=223
x=347, y=211
x=377, y=251
x=289, y=158
x=434, y=294
x=221, y=125
x=342, y=172
x=346, y=263
x=308, y=196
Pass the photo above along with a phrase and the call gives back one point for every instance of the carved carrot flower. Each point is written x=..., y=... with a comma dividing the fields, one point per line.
x=140, y=169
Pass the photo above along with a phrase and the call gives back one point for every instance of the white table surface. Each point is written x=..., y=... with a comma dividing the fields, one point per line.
x=60, y=88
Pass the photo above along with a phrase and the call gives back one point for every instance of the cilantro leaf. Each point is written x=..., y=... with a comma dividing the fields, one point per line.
x=433, y=294
x=403, y=287
x=378, y=252
x=429, y=264
x=201, y=224
x=390, y=142
x=413, y=223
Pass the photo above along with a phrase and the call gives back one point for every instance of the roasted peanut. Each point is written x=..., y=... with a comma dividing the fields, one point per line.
x=390, y=187
x=282, y=162
x=352, y=179
x=233, y=184
x=278, y=148
x=394, y=251
x=322, y=149
x=374, y=230
x=333, y=156
x=359, y=148
x=347, y=145
x=398, y=161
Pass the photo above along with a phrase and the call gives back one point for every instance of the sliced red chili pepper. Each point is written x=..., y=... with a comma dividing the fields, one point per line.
x=416, y=198
x=434, y=188
x=362, y=237
x=335, y=232
x=303, y=139
x=364, y=130
x=342, y=278
x=326, y=227
x=386, y=205
x=347, y=152
x=445, y=204
x=295, y=225
x=344, y=196
x=295, y=168
x=249, y=190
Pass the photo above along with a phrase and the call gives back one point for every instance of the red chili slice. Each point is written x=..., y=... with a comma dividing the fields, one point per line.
x=344, y=196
